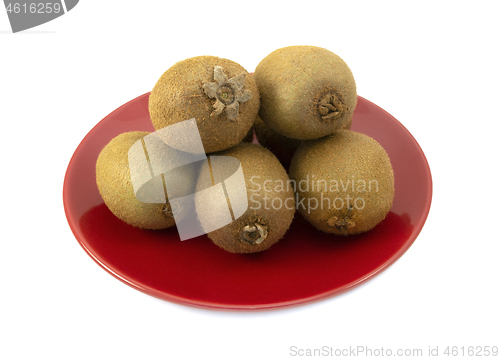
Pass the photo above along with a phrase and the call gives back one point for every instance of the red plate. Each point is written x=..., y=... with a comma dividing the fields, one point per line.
x=304, y=266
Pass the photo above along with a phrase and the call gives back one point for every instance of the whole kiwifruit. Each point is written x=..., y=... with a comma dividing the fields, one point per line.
x=344, y=182
x=261, y=214
x=144, y=204
x=307, y=92
x=217, y=92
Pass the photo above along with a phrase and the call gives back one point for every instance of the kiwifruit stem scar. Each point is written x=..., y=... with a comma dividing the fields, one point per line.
x=253, y=234
x=169, y=209
x=341, y=224
x=330, y=107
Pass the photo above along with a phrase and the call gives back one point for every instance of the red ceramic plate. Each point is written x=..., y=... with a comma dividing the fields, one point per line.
x=304, y=266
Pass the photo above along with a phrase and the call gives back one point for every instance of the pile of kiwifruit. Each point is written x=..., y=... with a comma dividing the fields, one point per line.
x=299, y=103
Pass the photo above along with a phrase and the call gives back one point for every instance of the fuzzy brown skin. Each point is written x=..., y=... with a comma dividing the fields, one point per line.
x=115, y=186
x=294, y=81
x=179, y=95
x=343, y=156
x=347, y=125
x=258, y=165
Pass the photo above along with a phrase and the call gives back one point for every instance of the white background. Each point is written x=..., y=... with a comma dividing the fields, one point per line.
x=432, y=65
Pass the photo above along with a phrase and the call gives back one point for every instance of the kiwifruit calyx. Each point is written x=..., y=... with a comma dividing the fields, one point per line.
x=228, y=92
x=225, y=95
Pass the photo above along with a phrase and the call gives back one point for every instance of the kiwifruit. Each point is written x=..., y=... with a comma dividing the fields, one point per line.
x=344, y=182
x=269, y=197
x=117, y=168
x=307, y=92
x=217, y=92
x=281, y=146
